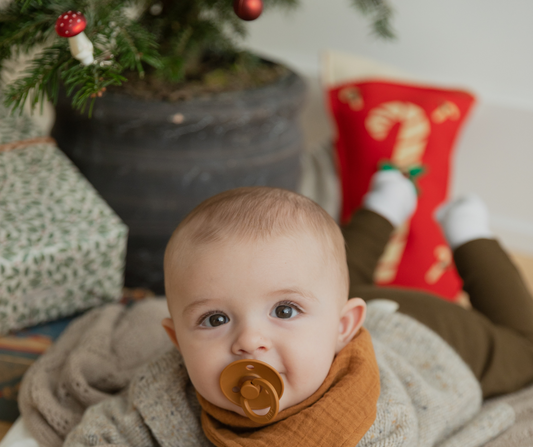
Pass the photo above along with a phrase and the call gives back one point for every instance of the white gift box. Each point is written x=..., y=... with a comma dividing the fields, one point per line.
x=62, y=248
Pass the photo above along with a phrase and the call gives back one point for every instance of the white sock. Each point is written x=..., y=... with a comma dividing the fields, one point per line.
x=463, y=220
x=392, y=196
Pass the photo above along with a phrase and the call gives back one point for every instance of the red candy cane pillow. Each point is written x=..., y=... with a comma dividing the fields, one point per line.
x=412, y=127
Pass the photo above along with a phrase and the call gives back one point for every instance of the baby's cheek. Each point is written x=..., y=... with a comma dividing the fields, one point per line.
x=300, y=384
x=202, y=369
x=307, y=367
x=206, y=383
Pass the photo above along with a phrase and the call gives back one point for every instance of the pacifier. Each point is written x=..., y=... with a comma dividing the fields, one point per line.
x=253, y=385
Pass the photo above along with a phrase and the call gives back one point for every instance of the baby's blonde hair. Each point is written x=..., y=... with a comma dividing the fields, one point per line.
x=258, y=213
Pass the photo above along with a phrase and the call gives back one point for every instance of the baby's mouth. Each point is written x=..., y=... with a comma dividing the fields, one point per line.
x=253, y=385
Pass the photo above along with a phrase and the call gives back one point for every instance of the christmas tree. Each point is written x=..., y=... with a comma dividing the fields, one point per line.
x=172, y=41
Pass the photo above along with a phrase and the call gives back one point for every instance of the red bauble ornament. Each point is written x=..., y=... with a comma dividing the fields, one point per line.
x=248, y=9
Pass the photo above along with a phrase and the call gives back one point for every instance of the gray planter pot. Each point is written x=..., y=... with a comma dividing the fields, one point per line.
x=154, y=161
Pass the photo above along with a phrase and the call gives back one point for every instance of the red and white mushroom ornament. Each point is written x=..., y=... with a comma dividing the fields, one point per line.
x=71, y=25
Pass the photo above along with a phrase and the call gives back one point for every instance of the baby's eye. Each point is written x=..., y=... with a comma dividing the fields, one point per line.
x=214, y=320
x=285, y=311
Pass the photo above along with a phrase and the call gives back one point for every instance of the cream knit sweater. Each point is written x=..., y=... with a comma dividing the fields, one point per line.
x=429, y=397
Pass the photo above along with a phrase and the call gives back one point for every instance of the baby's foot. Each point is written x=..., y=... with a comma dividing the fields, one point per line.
x=392, y=196
x=463, y=220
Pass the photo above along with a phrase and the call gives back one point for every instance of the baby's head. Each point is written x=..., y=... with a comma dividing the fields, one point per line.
x=259, y=273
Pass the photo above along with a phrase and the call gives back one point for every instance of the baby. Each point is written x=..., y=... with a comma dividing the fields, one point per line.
x=265, y=274
x=259, y=273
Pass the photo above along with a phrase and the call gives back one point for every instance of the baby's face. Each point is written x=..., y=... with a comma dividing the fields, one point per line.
x=279, y=301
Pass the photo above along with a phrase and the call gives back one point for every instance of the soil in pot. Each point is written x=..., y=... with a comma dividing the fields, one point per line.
x=210, y=78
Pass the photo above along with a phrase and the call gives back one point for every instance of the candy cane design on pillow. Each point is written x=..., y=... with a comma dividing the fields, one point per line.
x=407, y=153
x=412, y=135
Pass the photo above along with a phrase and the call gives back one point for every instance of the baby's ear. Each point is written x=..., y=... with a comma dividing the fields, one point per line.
x=168, y=325
x=352, y=318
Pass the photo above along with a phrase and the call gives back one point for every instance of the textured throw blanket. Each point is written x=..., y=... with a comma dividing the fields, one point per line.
x=111, y=347
x=94, y=358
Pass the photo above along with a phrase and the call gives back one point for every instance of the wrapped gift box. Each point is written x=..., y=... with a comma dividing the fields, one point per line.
x=62, y=248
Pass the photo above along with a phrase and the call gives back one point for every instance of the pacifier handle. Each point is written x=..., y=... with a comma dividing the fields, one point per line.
x=274, y=400
x=253, y=385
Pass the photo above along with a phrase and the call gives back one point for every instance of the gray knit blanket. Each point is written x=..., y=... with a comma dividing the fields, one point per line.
x=104, y=358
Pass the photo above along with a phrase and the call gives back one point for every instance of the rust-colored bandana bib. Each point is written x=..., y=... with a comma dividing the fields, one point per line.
x=338, y=414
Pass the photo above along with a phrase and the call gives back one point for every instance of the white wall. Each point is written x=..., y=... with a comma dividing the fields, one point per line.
x=481, y=45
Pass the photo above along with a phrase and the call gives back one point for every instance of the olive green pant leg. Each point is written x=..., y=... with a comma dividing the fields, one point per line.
x=497, y=290
x=492, y=339
x=495, y=286
x=366, y=236
x=500, y=358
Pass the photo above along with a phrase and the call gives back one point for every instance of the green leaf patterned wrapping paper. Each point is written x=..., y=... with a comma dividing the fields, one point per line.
x=62, y=248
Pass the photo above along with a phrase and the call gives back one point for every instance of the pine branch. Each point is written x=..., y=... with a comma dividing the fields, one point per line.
x=126, y=45
x=174, y=39
x=88, y=83
x=20, y=34
x=135, y=45
x=27, y=3
x=40, y=80
x=381, y=14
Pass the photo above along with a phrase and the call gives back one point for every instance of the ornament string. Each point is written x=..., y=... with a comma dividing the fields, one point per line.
x=25, y=143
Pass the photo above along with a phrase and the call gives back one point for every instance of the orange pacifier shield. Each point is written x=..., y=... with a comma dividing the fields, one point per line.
x=253, y=385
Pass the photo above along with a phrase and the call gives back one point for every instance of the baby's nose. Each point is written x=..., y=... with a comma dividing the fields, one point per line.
x=250, y=341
